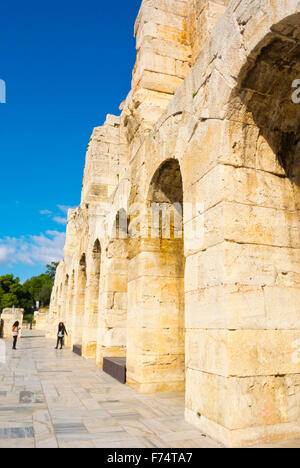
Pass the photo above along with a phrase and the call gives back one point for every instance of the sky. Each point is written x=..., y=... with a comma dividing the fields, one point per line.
x=65, y=64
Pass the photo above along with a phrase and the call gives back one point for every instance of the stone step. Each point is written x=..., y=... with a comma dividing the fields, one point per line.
x=77, y=349
x=116, y=368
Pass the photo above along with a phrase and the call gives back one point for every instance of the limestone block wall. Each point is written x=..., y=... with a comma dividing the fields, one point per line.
x=90, y=320
x=203, y=16
x=211, y=167
x=106, y=162
x=156, y=328
x=163, y=61
x=9, y=317
x=156, y=341
x=41, y=319
x=57, y=300
x=70, y=299
x=214, y=311
x=163, y=51
x=79, y=302
x=112, y=332
x=254, y=173
x=112, y=309
x=75, y=296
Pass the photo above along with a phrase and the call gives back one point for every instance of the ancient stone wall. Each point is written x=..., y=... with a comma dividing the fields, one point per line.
x=9, y=317
x=211, y=131
x=41, y=318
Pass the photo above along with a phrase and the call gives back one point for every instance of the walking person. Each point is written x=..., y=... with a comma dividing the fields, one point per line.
x=60, y=335
x=15, y=334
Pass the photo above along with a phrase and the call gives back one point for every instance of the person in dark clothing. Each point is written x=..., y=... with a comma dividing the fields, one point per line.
x=15, y=334
x=60, y=335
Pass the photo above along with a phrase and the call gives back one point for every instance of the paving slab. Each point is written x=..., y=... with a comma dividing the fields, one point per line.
x=57, y=399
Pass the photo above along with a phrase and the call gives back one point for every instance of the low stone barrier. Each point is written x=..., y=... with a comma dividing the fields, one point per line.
x=9, y=317
x=41, y=320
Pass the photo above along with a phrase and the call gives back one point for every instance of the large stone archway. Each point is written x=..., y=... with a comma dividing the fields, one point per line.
x=70, y=308
x=90, y=323
x=79, y=302
x=112, y=323
x=243, y=310
x=156, y=330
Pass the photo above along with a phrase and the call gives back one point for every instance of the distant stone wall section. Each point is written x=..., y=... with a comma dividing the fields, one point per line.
x=9, y=317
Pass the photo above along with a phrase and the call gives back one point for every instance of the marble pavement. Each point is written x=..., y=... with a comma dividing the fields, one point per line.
x=55, y=399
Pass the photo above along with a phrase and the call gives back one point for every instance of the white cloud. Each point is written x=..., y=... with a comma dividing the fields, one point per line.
x=30, y=250
x=60, y=220
x=6, y=252
x=46, y=212
x=65, y=208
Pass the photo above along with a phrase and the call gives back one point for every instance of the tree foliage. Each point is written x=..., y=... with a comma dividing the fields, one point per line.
x=38, y=288
x=51, y=270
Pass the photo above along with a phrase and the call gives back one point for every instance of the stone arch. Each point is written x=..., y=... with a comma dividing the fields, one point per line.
x=264, y=97
x=156, y=335
x=166, y=182
x=238, y=36
x=120, y=228
x=60, y=301
x=165, y=201
x=264, y=178
x=112, y=337
x=79, y=305
x=63, y=298
x=70, y=308
x=55, y=301
x=205, y=94
x=245, y=295
x=119, y=205
x=92, y=309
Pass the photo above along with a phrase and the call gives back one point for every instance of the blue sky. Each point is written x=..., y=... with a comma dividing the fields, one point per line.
x=66, y=64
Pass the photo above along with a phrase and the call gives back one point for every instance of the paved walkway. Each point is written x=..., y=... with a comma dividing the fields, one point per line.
x=51, y=399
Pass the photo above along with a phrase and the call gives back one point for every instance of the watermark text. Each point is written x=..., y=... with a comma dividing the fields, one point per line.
x=2, y=92
x=296, y=93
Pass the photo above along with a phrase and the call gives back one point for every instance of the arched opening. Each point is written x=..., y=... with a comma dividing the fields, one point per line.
x=92, y=303
x=112, y=337
x=156, y=328
x=267, y=93
x=60, y=301
x=55, y=302
x=250, y=325
x=79, y=306
x=70, y=308
x=264, y=100
x=120, y=228
x=64, y=299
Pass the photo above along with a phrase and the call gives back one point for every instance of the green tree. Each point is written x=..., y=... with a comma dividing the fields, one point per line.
x=38, y=288
x=12, y=293
x=51, y=270
x=9, y=300
x=45, y=294
x=34, y=285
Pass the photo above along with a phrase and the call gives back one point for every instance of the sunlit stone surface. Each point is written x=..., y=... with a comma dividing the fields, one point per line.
x=210, y=123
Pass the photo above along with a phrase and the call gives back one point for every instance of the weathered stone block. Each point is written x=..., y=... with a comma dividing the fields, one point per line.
x=9, y=317
x=257, y=401
x=244, y=353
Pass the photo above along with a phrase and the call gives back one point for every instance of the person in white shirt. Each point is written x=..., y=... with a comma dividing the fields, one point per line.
x=15, y=334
